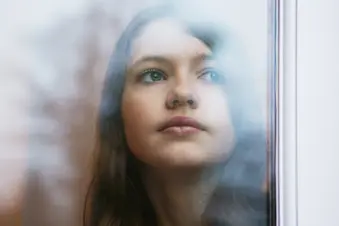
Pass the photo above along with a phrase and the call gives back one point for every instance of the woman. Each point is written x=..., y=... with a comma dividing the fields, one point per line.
x=176, y=145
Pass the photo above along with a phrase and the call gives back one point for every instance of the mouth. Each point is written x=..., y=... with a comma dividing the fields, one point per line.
x=181, y=126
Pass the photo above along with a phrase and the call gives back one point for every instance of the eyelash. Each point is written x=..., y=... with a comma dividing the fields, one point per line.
x=220, y=79
x=149, y=72
x=218, y=73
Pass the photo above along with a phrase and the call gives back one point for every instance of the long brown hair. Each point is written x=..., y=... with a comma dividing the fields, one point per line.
x=117, y=197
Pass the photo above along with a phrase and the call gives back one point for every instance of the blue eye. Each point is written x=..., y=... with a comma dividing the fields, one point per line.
x=212, y=75
x=152, y=75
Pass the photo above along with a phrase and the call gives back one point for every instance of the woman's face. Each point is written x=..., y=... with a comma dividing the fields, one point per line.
x=174, y=105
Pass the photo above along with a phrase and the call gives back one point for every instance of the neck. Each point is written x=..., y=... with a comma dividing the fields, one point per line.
x=180, y=196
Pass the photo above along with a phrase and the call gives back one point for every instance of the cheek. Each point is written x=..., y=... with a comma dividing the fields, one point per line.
x=215, y=108
x=140, y=111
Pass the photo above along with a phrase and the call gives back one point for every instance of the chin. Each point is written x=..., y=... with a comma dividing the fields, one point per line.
x=191, y=159
x=183, y=154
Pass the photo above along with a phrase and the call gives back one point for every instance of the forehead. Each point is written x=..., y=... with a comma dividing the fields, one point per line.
x=167, y=37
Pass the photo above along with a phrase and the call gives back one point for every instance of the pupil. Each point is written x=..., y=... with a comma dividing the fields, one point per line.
x=214, y=77
x=155, y=76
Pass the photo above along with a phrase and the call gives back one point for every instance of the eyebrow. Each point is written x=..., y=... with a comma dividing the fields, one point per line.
x=163, y=59
x=202, y=58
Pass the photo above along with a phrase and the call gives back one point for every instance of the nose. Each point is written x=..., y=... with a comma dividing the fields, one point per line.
x=182, y=95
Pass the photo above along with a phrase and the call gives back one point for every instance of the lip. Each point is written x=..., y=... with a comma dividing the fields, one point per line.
x=181, y=125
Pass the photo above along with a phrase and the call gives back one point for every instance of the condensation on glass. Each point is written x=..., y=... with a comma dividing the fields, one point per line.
x=54, y=64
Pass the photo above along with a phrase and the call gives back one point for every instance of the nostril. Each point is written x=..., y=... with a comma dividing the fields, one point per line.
x=176, y=102
x=190, y=102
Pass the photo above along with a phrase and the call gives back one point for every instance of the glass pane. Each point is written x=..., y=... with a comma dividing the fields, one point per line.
x=138, y=112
